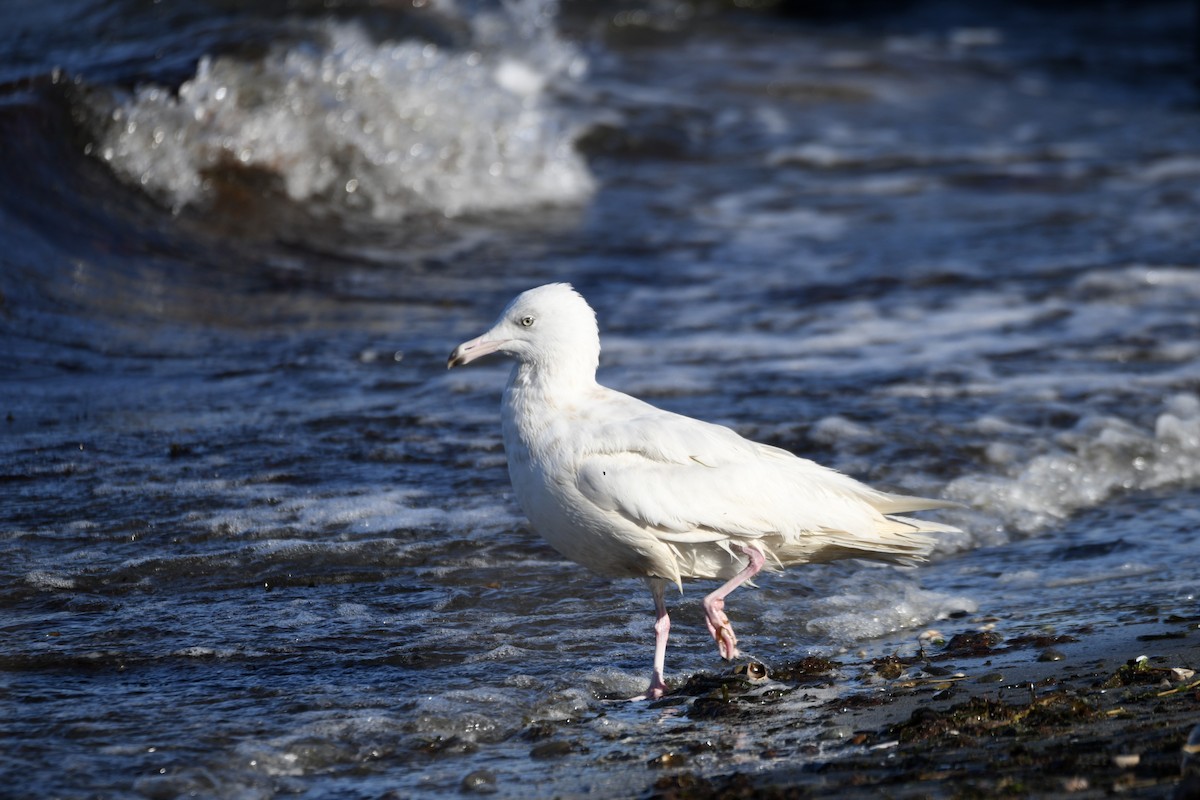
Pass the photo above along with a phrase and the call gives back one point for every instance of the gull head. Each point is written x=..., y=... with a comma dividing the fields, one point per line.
x=550, y=328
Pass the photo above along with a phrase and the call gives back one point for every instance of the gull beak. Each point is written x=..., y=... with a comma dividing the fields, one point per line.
x=467, y=352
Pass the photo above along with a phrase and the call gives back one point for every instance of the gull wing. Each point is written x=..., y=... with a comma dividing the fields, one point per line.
x=691, y=482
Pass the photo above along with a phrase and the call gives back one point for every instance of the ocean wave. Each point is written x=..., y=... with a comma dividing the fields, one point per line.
x=384, y=128
x=1084, y=467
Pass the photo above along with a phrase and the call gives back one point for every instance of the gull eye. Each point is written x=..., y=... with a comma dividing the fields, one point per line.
x=526, y=322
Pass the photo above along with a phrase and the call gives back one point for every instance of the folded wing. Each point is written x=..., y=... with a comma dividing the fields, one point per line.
x=691, y=482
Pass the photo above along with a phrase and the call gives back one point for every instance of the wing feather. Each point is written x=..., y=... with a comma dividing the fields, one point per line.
x=693, y=482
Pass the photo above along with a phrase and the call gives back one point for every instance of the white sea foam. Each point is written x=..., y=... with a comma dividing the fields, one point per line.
x=883, y=149
x=837, y=429
x=475, y=715
x=1127, y=570
x=1170, y=168
x=1087, y=465
x=41, y=579
x=505, y=652
x=289, y=522
x=752, y=216
x=387, y=127
x=867, y=609
x=198, y=651
x=613, y=682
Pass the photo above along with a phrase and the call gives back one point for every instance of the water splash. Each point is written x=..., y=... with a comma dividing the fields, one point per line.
x=1087, y=465
x=387, y=128
x=861, y=609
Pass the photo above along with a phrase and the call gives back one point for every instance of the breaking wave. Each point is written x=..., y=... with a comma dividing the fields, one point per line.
x=1085, y=466
x=387, y=128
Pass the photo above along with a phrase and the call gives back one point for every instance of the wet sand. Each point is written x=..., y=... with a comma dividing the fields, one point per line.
x=1082, y=714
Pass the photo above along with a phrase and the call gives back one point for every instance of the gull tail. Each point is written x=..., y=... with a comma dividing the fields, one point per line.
x=888, y=503
x=893, y=539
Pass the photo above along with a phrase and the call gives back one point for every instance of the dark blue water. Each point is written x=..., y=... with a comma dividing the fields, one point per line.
x=256, y=541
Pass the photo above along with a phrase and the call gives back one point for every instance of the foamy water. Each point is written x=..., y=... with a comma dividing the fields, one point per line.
x=257, y=541
x=386, y=127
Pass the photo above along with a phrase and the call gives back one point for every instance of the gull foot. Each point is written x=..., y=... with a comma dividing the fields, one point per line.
x=721, y=630
x=658, y=688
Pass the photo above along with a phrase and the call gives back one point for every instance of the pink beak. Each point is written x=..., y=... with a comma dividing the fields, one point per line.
x=478, y=347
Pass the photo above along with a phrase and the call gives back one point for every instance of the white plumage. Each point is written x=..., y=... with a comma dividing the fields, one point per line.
x=630, y=490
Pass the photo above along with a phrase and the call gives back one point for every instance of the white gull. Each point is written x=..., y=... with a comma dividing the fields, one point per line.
x=630, y=490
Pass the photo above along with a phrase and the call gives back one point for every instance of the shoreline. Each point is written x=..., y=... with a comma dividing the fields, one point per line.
x=1085, y=714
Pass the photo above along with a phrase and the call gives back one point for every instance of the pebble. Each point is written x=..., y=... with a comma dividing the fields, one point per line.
x=837, y=732
x=667, y=760
x=481, y=781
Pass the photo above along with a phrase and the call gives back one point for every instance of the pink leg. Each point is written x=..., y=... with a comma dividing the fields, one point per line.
x=662, y=628
x=714, y=604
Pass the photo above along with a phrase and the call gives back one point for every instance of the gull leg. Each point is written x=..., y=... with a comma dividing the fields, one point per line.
x=662, y=628
x=714, y=604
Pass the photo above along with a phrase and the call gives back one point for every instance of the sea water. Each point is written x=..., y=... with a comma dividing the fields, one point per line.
x=256, y=541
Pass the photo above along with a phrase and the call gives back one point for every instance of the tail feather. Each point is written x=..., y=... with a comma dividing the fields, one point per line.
x=895, y=539
x=887, y=503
